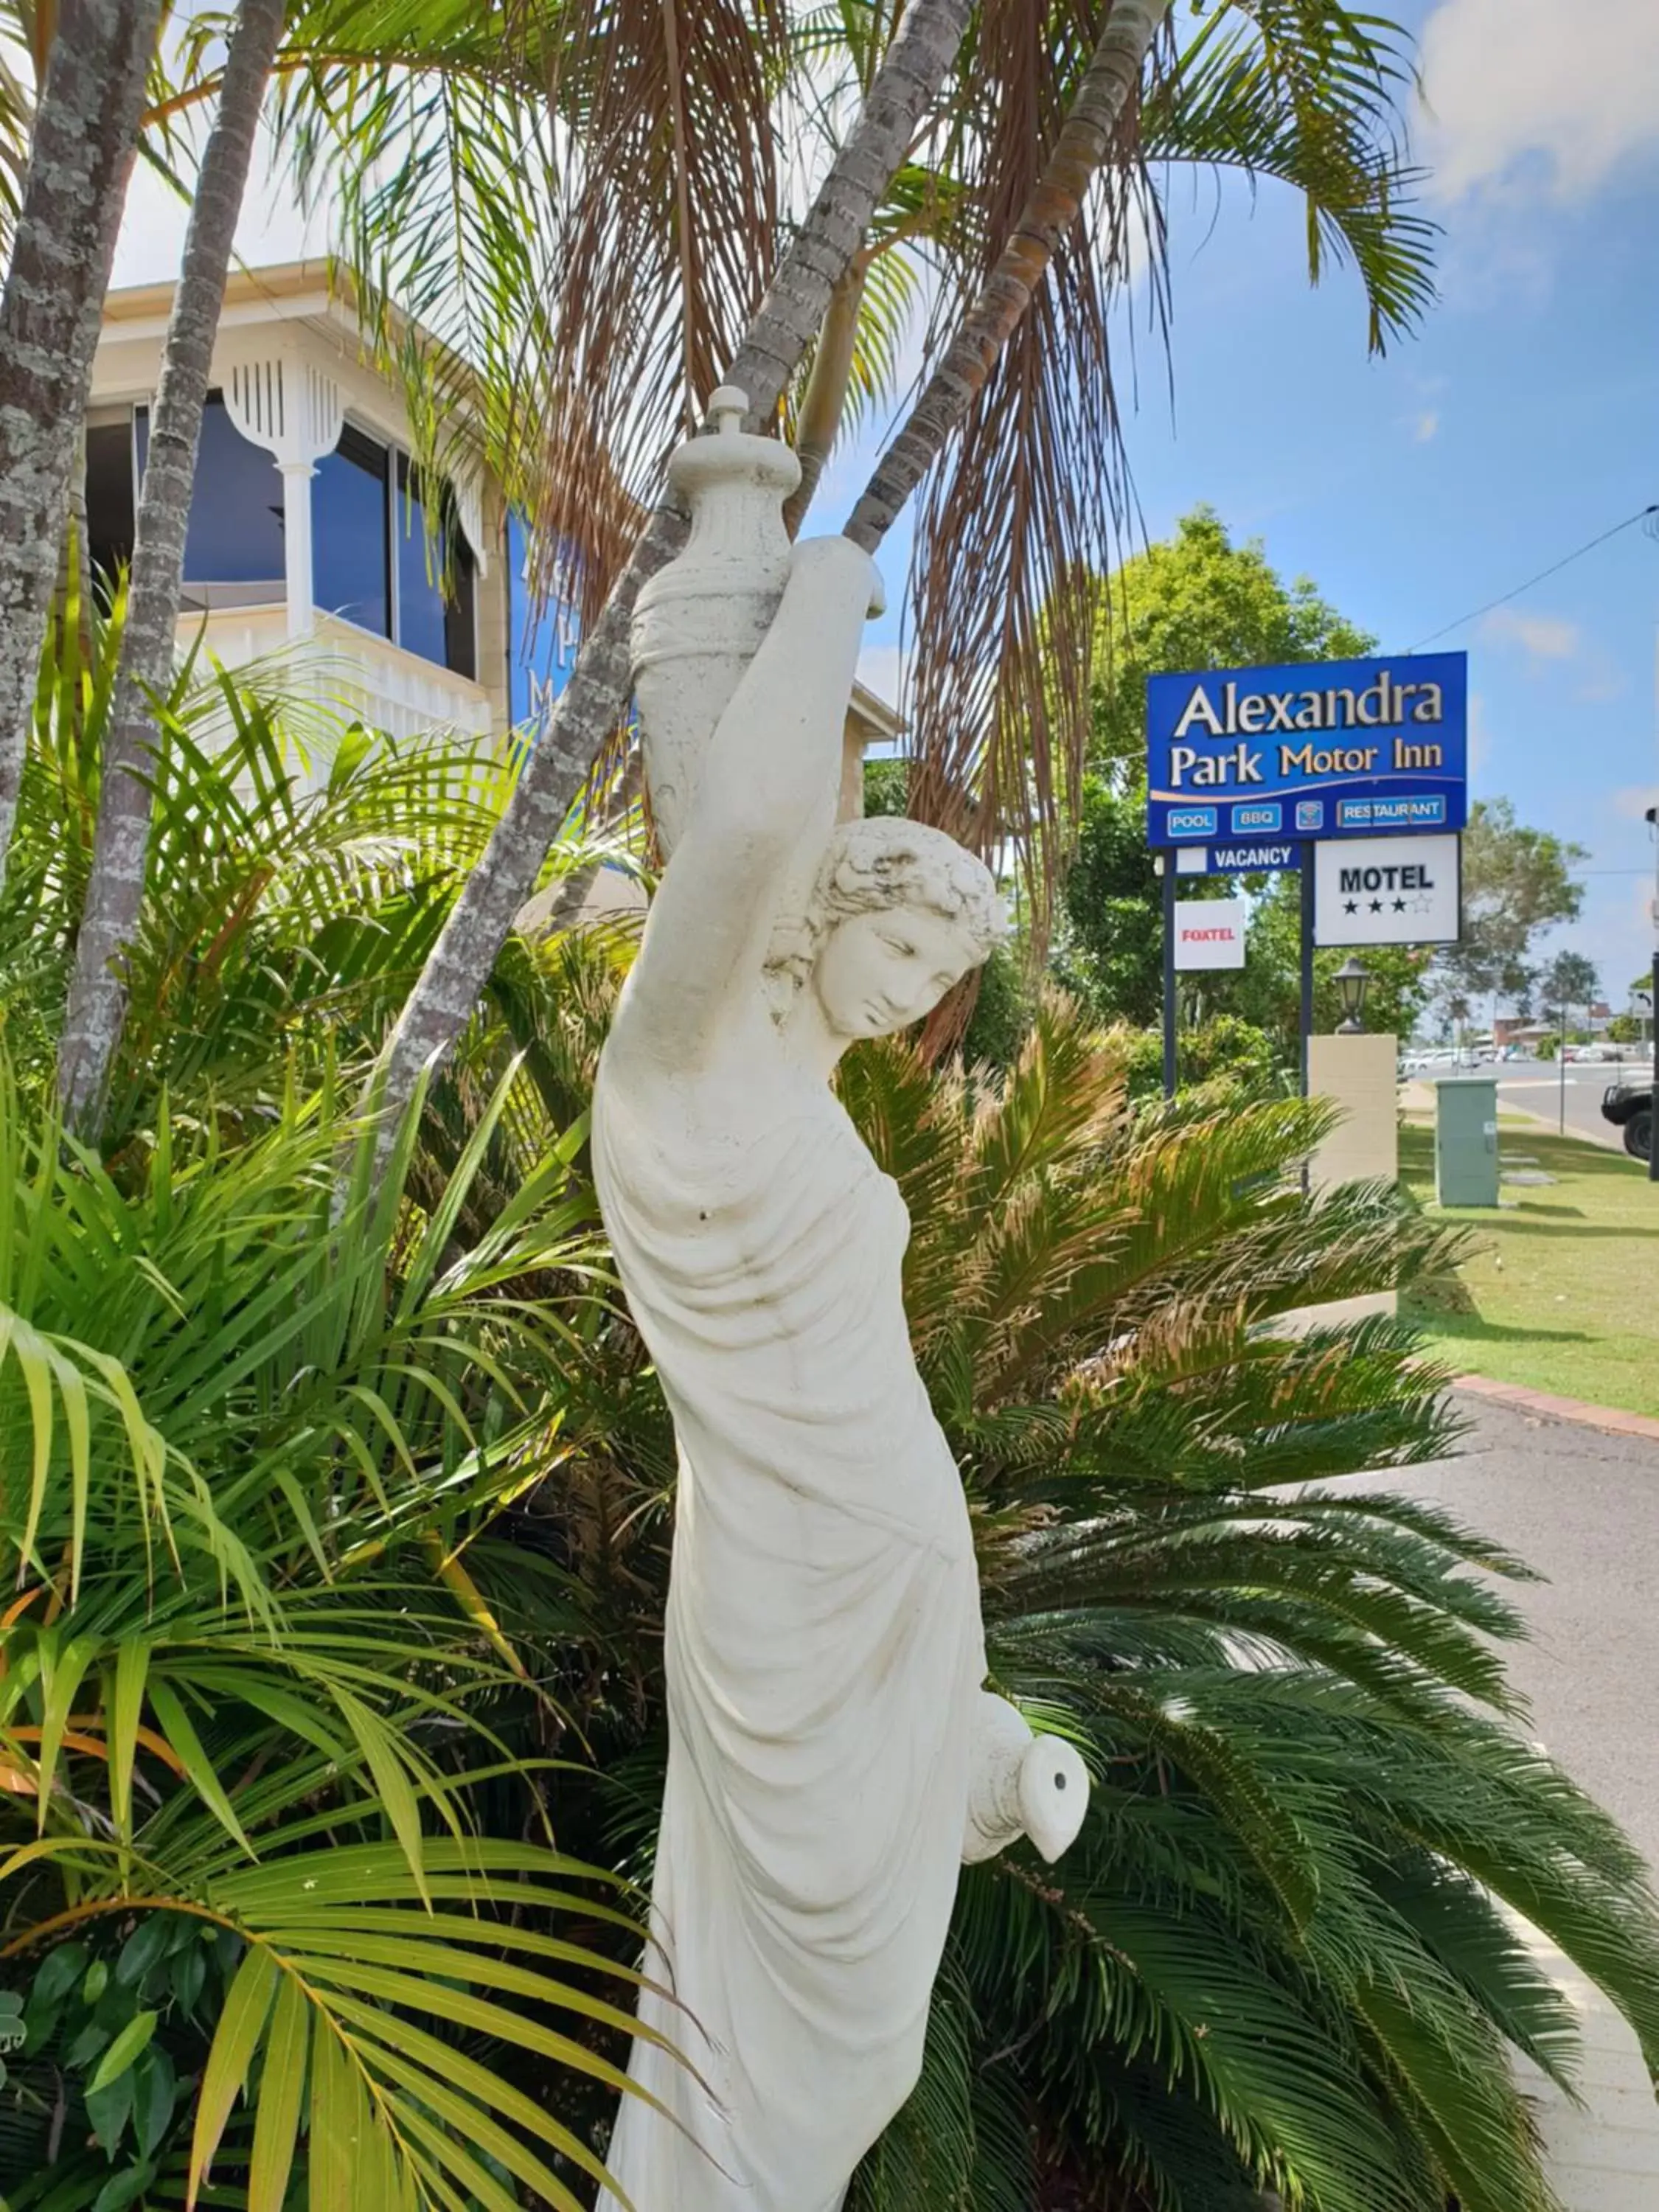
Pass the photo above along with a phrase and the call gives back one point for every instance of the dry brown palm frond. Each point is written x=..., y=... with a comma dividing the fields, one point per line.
x=667, y=228
x=1028, y=505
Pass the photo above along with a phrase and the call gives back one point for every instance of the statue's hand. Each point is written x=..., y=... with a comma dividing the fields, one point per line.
x=834, y=558
x=1053, y=1795
x=1020, y=1785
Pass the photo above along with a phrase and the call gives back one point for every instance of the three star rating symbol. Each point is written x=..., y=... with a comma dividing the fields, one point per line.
x=1421, y=905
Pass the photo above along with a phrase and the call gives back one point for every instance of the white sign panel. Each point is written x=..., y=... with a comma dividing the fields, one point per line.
x=1388, y=890
x=1210, y=933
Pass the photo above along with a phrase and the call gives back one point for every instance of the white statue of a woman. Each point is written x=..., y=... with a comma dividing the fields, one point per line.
x=833, y=1754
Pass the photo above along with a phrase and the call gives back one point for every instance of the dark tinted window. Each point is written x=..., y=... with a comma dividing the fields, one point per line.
x=110, y=519
x=349, y=519
x=235, y=534
x=435, y=580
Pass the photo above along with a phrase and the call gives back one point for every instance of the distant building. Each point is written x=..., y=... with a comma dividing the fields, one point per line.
x=308, y=533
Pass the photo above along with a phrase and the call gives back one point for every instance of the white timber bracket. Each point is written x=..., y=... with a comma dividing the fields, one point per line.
x=294, y=408
x=466, y=484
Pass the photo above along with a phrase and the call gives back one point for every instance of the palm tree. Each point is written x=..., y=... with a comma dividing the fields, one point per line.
x=566, y=748
x=283, y=918
x=84, y=133
x=989, y=197
x=115, y=889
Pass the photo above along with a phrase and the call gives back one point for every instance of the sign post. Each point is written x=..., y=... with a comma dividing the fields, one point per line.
x=1307, y=986
x=1168, y=976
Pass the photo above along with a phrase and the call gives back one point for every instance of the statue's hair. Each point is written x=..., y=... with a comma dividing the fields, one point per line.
x=883, y=861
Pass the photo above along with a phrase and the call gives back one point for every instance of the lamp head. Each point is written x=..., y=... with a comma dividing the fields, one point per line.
x=1353, y=979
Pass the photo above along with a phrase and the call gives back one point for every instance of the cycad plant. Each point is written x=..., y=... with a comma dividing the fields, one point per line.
x=1284, y=1956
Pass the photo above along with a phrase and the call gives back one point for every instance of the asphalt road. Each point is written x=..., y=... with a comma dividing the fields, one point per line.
x=1543, y=1087
x=1582, y=1509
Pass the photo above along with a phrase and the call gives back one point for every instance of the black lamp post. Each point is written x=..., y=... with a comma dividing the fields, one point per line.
x=1352, y=981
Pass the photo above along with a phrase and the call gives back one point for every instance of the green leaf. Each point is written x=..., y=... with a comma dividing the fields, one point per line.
x=60, y=1970
x=242, y=2024
x=176, y=1726
x=126, y=1706
x=155, y=2092
x=134, y=2037
x=338, y=2120
x=123, y=2190
x=62, y=1673
x=147, y=1942
x=109, y=2109
x=187, y=1972
x=281, y=2084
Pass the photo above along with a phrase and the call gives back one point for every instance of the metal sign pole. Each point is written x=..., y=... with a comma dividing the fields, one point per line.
x=1561, y=1060
x=1168, y=976
x=1307, y=1013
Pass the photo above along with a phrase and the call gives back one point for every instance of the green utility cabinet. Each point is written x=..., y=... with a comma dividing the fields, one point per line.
x=1466, y=1143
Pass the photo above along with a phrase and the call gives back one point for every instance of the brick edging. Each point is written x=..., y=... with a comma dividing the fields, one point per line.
x=1608, y=1418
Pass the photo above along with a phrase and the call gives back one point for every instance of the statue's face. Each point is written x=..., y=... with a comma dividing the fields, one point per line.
x=880, y=972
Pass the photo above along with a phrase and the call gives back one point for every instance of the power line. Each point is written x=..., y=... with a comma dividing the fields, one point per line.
x=1555, y=568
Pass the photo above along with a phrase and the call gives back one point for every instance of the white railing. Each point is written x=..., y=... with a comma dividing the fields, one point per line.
x=345, y=669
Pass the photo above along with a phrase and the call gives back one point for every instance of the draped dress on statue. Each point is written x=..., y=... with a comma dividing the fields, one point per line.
x=824, y=1648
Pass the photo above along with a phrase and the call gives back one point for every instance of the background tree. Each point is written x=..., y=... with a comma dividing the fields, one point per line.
x=1110, y=947
x=1516, y=883
x=1198, y=600
x=116, y=886
x=85, y=130
x=1266, y=990
x=1568, y=983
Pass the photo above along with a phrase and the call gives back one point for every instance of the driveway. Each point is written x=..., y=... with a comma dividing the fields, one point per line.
x=1554, y=1092
x=1582, y=1509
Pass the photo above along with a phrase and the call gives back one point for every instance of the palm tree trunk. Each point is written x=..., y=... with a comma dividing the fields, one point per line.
x=86, y=130
x=825, y=401
x=586, y=711
x=97, y=1001
x=1107, y=83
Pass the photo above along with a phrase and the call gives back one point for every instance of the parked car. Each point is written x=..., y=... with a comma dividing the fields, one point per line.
x=1629, y=1107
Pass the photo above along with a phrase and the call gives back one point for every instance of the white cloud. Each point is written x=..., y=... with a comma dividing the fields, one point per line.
x=1532, y=95
x=1546, y=637
x=1425, y=426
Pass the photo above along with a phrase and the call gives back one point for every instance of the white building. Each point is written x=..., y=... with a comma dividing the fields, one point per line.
x=306, y=533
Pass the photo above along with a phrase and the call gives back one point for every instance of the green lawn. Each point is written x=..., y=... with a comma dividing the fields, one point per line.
x=1562, y=1293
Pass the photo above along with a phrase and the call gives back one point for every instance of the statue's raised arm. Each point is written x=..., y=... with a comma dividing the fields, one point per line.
x=761, y=817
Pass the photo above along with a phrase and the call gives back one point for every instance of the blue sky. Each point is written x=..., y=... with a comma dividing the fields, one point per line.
x=1519, y=423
